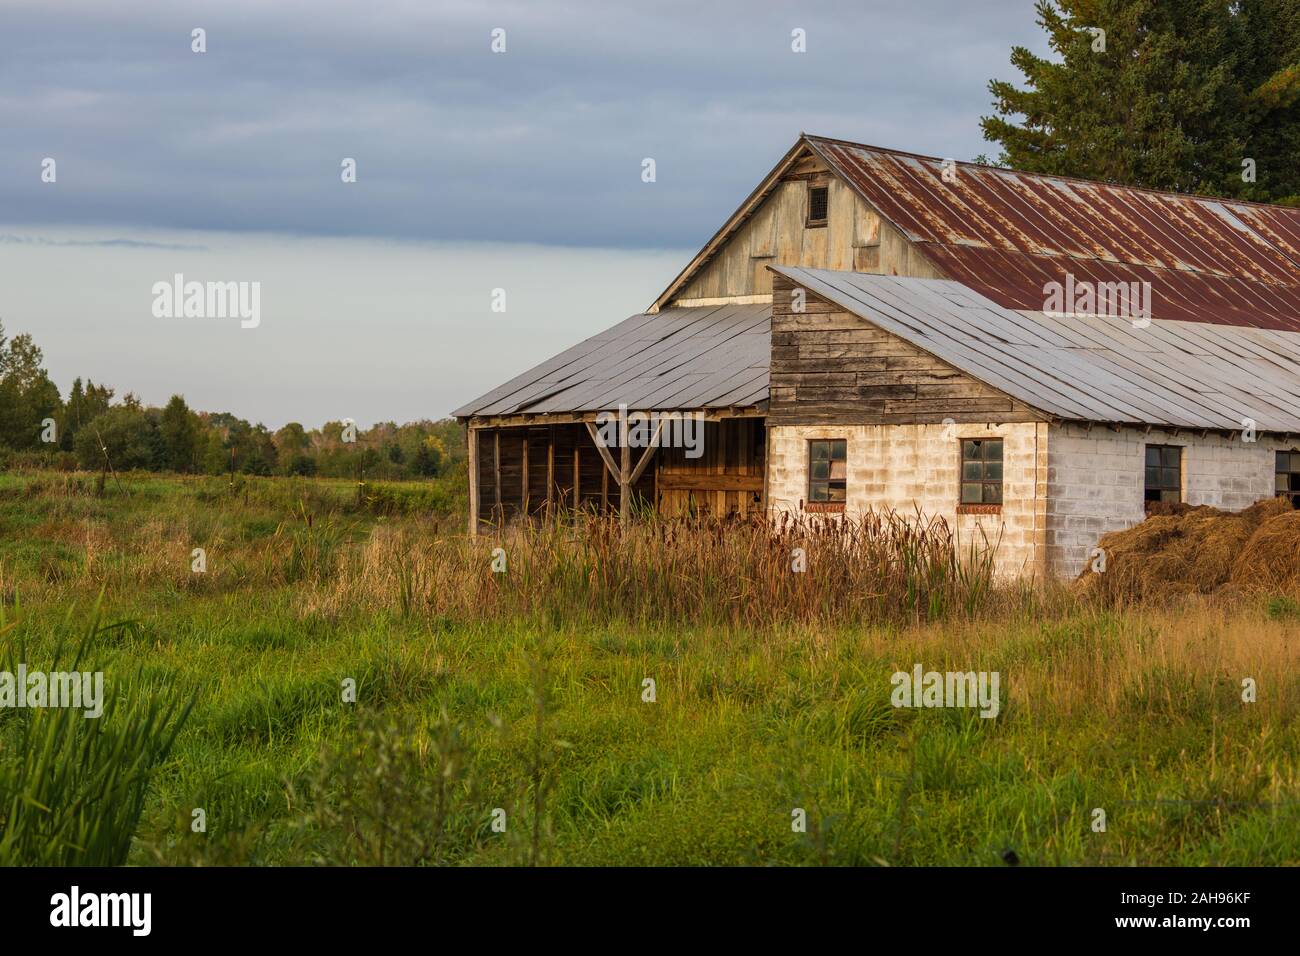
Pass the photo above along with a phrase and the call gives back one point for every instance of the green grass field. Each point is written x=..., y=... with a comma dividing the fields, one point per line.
x=500, y=718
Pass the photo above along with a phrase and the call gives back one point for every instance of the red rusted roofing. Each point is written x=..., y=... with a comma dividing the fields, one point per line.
x=1007, y=234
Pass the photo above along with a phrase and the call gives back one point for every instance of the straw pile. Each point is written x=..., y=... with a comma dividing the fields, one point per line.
x=1186, y=550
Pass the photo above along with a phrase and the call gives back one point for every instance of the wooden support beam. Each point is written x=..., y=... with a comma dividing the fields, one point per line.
x=647, y=454
x=576, y=418
x=696, y=481
x=577, y=476
x=550, y=470
x=498, y=513
x=523, y=485
x=625, y=476
x=623, y=472
x=471, y=442
x=605, y=456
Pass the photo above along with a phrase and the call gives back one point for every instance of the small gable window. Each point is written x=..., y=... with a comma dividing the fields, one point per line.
x=818, y=203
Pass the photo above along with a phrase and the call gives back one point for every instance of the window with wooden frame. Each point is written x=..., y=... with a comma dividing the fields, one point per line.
x=819, y=199
x=981, y=475
x=827, y=474
x=1288, y=475
x=1164, y=474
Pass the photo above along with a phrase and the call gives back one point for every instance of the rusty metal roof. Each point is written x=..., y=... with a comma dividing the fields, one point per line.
x=1085, y=368
x=1007, y=234
x=683, y=359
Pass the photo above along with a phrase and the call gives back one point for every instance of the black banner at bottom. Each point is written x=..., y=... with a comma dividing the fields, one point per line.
x=333, y=906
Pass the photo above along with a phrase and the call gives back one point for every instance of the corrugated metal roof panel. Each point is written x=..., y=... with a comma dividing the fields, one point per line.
x=1008, y=233
x=1089, y=368
x=685, y=358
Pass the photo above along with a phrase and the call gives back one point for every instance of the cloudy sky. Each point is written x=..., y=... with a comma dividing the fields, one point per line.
x=475, y=171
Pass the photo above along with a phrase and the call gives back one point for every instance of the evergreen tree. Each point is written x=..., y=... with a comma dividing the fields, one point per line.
x=1177, y=94
x=179, y=430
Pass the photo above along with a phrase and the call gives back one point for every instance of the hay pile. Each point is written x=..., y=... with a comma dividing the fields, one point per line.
x=1186, y=550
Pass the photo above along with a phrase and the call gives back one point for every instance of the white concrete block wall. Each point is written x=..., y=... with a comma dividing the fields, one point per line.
x=1096, y=480
x=1064, y=486
x=905, y=467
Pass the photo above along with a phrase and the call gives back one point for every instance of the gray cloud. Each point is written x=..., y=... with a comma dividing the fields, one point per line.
x=542, y=144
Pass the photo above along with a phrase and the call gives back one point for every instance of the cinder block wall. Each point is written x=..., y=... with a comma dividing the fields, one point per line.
x=1096, y=479
x=909, y=466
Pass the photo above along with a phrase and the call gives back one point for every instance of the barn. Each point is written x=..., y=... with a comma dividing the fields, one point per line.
x=1037, y=360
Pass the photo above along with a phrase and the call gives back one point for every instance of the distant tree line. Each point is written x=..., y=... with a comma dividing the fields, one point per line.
x=91, y=430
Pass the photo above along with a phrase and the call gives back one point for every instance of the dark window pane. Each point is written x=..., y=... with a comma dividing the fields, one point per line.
x=992, y=493
x=821, y=450
x=839, y=450
x=817, y=493
x=821, y=470
x=993, y=450
x=1172, y=457
x=970, y=449
x=817, y=203
x=1153, y=455
x=972, y=493
x=1153, y=476
x=993, y=471
x=972, y=470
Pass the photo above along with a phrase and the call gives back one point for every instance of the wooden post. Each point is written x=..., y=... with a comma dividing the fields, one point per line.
x=471, y=443
x=523, y=488
x=577, y=476
x=550, y=470
x=625, y=476
x=498, y=513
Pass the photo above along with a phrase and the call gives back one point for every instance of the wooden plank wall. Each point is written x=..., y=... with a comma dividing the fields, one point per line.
x=726, y=480
x=830, y=366
x=854, y=239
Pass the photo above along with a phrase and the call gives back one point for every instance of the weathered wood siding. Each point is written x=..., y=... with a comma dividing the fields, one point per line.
x=829, y=365
x=854, y=239
x=726, y=480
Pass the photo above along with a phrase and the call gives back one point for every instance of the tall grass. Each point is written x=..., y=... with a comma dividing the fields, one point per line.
x=883, y=566
x=73, y=788
x=521, y=692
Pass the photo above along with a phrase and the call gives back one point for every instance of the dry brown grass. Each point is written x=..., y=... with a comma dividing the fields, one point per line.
x=883, y=567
